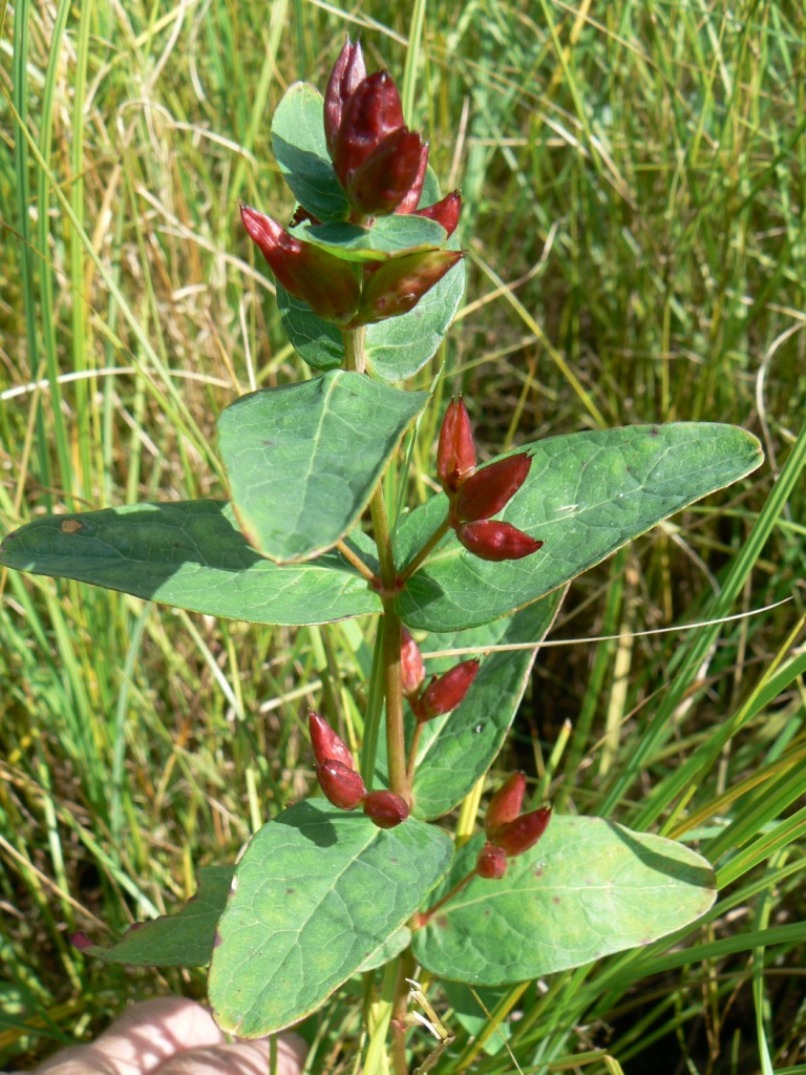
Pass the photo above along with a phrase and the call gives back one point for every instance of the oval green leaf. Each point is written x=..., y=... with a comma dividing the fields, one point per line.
x=317, y=893
x=588, y=888
x=191, y=555
x=457, y=749
x=304, y=459
x=587, y=494
x=298, y=141
x=184, y=939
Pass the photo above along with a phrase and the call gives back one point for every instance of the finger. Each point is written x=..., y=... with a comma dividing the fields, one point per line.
x=145, y=1036
x=243, y=1058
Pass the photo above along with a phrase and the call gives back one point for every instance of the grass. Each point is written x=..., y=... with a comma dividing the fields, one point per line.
x=633, y=177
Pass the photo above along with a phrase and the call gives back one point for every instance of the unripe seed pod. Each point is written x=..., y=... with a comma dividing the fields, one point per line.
x=342, y=785
x=395, y=286
x=519, y=835
x=492, y=862
x=448, y=690
x=490, y=540
x=412, y=668
x=506, y=804
x=487, y=491
x=327, y=746
x=446, y=212
x=385, y=809
x=348, y=71
x=456, y=454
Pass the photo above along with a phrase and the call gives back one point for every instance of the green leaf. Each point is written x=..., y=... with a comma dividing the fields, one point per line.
x=184, y=939
x=588, y=888
x=399, y=940
x=316, y=894
x=304, y=459
x=387, y=237
x=457, y=749
x=298, y=141
x=587, y=494
x=193, y=556
x=396, y=349
x=319, y=342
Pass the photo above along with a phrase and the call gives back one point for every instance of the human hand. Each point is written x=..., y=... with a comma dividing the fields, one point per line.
x=173, y=1036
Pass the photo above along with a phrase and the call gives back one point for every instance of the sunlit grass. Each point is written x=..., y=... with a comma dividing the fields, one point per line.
x=633, y=176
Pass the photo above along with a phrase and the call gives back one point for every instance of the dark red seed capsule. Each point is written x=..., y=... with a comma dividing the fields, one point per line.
x=372, y=112
x=327, y=746
x=348, y=71
x=490, y=540
x=506, y=804
x=342, y=786
x=489, y=490
x=306, y=271
x=382, y=181
x=446, y=212
x=492, y=862
x=386, y=809
x=519, y=835
x=448, y=690
x=413, y=194
x=456, y=454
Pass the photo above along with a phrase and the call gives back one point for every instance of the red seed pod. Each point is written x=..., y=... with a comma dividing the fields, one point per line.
x=446, y=212
x=385, y=809
x=506, y=804
x=447, y=691
x=413, y=194
x=327, y=746
x=397, y=285
x=380, y=184
x=348, y=71
x=341, y=784
x=456, y=454
x=519, y=835
x=412, y=668
x=492, y=862
x=496, y=541
x=372, y=112
x=308, y=272
x=489, y=490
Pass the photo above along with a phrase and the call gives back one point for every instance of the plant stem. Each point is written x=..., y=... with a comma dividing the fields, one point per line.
x=374, y=711
x=392, y=642
x=393, y=683
x=426, y=916
x=356, y=561
x=425, y=551
x=389, y=587
x=399, y=1012
x=383, y=539
x=354, y=354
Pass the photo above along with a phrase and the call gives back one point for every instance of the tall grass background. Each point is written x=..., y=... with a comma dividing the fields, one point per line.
x=633, y=180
